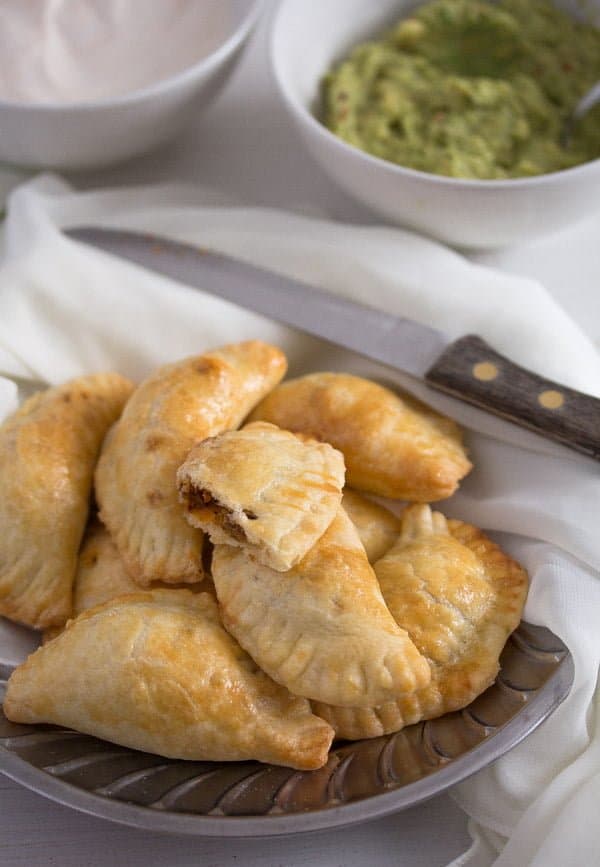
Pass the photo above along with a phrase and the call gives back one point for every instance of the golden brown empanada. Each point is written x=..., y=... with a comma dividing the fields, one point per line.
x=377, y=527
x=322, y=629
x=393, y=445
x=179, y=405
x=459, y=597
x=101, y=575
x=48, y=450
x=265, y=489
x=156, y=671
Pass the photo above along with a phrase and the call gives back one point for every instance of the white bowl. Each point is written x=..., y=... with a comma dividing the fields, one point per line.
x=307, y=38
x=83, y=135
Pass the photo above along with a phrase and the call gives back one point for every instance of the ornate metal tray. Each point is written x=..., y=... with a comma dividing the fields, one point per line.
x=362, y=780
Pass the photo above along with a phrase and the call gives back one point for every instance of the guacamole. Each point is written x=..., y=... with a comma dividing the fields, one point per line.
x=470, y=89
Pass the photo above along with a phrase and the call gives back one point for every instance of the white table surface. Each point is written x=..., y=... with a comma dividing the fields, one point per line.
x=245, y=146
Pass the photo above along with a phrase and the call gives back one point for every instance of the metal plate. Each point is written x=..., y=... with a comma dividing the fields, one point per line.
x=362, y=780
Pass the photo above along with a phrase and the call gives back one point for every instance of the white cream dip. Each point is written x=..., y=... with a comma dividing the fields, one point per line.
x=61, y=51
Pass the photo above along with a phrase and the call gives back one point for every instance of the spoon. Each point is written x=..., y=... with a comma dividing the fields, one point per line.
x=587, y=101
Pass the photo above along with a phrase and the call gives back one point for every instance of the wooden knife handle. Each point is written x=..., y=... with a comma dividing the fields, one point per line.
x=472, y=371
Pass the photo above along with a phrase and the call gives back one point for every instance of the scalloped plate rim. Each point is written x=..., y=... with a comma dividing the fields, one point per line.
x=541, y=706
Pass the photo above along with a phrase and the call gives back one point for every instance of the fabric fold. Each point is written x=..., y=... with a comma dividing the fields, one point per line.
x=66, y=309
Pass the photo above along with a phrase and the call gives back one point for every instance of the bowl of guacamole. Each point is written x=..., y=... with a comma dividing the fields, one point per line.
x=470, y=89
x=446, y=115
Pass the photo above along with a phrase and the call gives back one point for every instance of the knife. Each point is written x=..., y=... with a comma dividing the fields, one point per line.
x=467, y=368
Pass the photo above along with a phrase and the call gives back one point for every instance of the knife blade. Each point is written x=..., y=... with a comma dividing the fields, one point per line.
x=467, y=368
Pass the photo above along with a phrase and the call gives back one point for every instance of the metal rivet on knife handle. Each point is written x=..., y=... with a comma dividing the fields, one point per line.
x=551, y=399
x=470, y=369
x=485, y=371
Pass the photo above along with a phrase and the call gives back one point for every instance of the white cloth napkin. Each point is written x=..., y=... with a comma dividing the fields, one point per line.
x=66, y=309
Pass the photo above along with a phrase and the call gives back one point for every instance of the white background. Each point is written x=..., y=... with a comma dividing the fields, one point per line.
x=245, y=145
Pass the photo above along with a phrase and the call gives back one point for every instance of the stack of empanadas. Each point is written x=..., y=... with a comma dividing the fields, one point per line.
x=459, y=597
x=233, y=599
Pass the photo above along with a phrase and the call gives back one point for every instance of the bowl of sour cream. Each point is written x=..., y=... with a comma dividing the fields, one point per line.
x=87, y=83
x=446, y=115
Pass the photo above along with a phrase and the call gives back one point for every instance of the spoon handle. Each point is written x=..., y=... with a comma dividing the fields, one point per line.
x=588, y=101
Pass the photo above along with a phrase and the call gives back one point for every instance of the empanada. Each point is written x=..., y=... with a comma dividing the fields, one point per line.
x=459, y=597
x=101, y=575
x=179, y=405
x=48, y=450
x=393, y=445
x=262, y=488
x=322, y=629
x=156, y=671
x=377, y=527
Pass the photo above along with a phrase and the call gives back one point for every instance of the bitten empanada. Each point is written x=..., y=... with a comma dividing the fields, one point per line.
x=264, y=489
x=156, y=671
x=48, y=450
x=377, y=527
x=393, y=445
x=322, y=629
x=459, y=597
x=179, y=405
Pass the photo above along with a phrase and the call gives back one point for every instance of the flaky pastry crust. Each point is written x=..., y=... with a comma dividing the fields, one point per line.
x=156, y=671
x=263, y=489
x=393, y=445
x=101, y=575
x=48, y=450
x=459, y=597
x=322, y=629
x=377, y=527
x=179, y=405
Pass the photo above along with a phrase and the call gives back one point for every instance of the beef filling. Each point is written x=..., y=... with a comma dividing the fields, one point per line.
x=198, y=498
